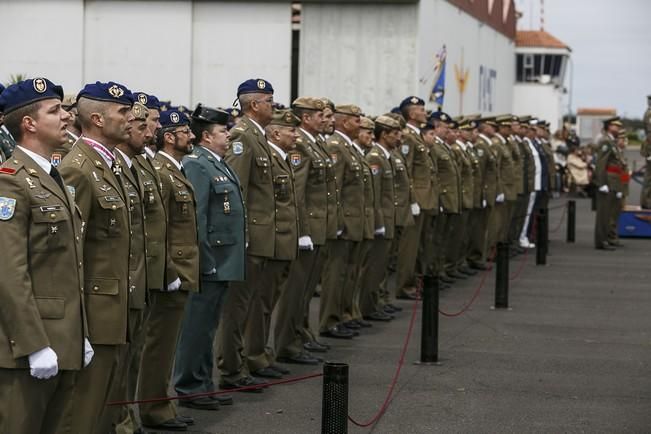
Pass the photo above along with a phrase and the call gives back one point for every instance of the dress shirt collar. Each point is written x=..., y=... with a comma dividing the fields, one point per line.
x=43, y=162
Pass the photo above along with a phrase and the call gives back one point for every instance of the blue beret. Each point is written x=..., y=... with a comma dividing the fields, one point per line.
x=411, y=100
x=2, y=88
x=148, y=100
x=109, y=92
x=440, y=116
x=396, y=110
x=255, y=85
x=27, y=92
x=172, y=119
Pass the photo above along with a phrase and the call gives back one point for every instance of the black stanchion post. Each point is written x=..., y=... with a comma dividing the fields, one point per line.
x=593, y=201
x=334, y=417
x=571, y=221
x=429, y=339
x=502, y=277
x=541, y=248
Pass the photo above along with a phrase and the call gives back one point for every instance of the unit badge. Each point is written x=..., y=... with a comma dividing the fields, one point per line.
x=295, y=159
x=238, y=148
x=7, y=208
x=404, y=149
x=56, y=159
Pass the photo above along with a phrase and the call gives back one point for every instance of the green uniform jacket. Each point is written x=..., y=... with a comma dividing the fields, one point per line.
x=333, y=205
x=372, y=215
x=402, y=187
x=645, y=148
x=507, y=168
x=518, y=164
x=350, y=182
x=422, y=170
x=250, y=157
x=610, y=165
x=386, y=198
x=220, y=216
x=59, y=153
x=465, y=166
x=551, y=163
x=490, y=169
x=528, y=166
x=477, y=176
x=309, y=164
x=286, y=215
x=182, y=243
x=448, y=178
x=7, y=143
x=155, y=222
x=102, y=202
x=42, y=291
x=137, y=248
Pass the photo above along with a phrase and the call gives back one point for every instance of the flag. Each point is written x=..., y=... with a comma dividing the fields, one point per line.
x=438, y=91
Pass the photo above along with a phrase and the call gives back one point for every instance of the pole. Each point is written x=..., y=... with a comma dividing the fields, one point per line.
x=571, y=221
x=334, y=416
x=541, y=239
x=502, y=277
x=429, y=338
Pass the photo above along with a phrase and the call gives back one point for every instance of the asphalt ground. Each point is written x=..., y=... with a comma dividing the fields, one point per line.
x=571, y=355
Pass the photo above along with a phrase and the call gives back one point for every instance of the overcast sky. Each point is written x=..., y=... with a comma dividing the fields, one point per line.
x=611, y=48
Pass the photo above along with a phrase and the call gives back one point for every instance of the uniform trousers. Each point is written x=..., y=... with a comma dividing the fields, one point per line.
x=29, y=405
x=337, y=268
x=373, y=273
x=407, y=254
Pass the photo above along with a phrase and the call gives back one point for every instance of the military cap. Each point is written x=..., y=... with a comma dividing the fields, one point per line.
x=164, y=105
x=452, y=124
x=209, y=115
x=139, y=111
x=524, y=119
x=396, y=110
x=398, y=118
x=440, y=116
x=173, y=119
x=309, y=103
x=255, y=85
x=284, y=118
x=108, y=92
x=348, y=109
x=366, y=123
x=387, y=122
x=467, y=124
x=328, y=103
x=148, y=100
x=613, y=121
x=27, y=92
x=504, y=120
x=489, y=120
x=622, y=134
x=411, y=100
x=69, y=102
x=233, y=112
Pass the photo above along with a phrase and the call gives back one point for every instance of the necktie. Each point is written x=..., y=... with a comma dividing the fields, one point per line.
x=54, y=173
x=183, y=171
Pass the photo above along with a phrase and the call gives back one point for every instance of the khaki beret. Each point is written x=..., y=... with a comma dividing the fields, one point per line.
x=328, y=103
x=284, y=118
x=366, y=123
x=348, y=109
x=309, y=103
x=388, y=122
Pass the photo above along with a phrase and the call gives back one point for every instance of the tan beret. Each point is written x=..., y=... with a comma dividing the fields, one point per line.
x=309, y=103
x=348, y=109
x=387, y=122
x=284, y=118
x=366, y=123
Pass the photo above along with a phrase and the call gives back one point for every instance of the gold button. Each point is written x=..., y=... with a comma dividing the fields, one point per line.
x=113, y=207
x=95, y=288
x=13, y=342
x=53, y=215
x=180, y=252
x=219, y=242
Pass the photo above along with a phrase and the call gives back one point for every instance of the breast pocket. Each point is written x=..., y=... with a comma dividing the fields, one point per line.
x=183, y=205
x=282, y=187
x=111, y=220
x=50, y=228
x=318, y=171
x=224, y=193
x=262, y=170
x=149, y=193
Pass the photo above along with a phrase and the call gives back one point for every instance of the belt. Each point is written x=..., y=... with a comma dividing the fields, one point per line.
x=624, y=176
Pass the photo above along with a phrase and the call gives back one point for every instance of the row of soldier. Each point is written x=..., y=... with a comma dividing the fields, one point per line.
x=179, y=230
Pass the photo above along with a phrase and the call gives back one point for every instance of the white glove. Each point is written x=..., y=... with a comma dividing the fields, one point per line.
x=619, y=195
x=441, y=208
x=415, y=209
x=381, y=231
x=305, y=243
x=500, y=198
x=174, y=286
x=483, y=203
x=604, y=189
x=213, y=271
x=43, y=363
x=88, y=352
x=339, y=232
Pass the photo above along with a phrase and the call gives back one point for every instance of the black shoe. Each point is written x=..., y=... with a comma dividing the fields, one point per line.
x=280, y=369
x=188, y=420
x=616, y=244
x=352, y=324
x=300, y=359
x=446, y=279
x=353, y=331
x=394, y=307
x=203, y=403
x=478, y=266
x=170, y=425
x=378, y=316
x=363, y=323
x=456, y=275
x=467, y=271
x=256, y=385
x=337, y=332
x=606, y=246
x=267, y=372
x=407, y=296
x=389, y=310
x=315, y=346
x=223, y=399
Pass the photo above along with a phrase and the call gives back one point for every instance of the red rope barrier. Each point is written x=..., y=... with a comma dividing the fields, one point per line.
x=217, y=392
x=523, y=262
x=387, y=400
x=560, y=222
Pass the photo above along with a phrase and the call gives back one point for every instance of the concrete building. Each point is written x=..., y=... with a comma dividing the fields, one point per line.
x=373, y=53
x=541, y=64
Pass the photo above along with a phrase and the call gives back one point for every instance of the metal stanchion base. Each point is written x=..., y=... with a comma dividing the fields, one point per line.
x=501, y=308
x=419, y=363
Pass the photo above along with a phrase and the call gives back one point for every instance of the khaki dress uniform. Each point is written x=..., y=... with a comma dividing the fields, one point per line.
x=609, y=170
x=309, y=165
x=41, y=232
x=424, y=191
x=100, y=196
x=645, y=151
x=508, y=180
x=528, y=170
x=457, y=252
x=59, y=153
x=477, y=211
x=183, y=263
x=340, y=263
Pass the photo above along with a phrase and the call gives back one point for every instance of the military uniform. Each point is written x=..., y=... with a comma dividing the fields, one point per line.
x=221, y=231
x=608, y=172
x=183, y=264
x=457, y=253
x=7, y=143
x=41, y=231
x=645, y=150
x=509, y=183
x=104, y=208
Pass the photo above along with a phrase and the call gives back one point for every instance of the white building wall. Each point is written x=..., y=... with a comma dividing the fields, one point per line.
x=361, y=54
x=205, y=51
x=487, y=55
x=539, y=100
